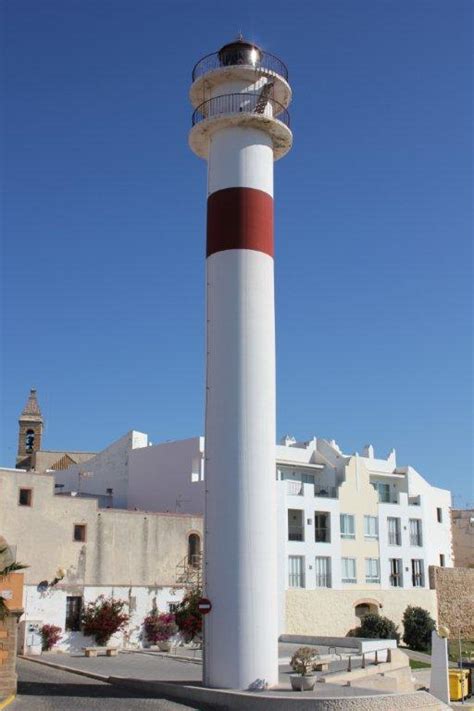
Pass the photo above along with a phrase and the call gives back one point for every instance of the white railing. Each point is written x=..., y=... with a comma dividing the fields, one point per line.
x=294, y=488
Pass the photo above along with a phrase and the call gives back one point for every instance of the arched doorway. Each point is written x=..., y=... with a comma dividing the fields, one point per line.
x=366, y=606
x=194, y=550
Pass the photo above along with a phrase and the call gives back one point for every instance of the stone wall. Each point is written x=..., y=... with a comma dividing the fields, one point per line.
x=463, y=537
x=455, y=598
x=328, y=612
x=8, y=636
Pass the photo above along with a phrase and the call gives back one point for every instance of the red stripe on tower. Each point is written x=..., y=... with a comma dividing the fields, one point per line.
x=240, y=218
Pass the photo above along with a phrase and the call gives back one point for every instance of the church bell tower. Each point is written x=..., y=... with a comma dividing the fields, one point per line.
x=30, y=431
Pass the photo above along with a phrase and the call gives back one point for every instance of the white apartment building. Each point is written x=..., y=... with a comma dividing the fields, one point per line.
x=356, y=532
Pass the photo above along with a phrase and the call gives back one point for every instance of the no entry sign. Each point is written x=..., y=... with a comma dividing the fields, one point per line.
x=204, y=606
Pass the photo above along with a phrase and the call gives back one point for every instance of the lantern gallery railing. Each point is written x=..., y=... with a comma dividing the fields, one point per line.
x=250, y=103
x=257, y=60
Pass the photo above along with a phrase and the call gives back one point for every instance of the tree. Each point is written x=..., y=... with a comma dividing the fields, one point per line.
x=374, y=626
x=103, y=617
x=187, y=615
x=8, y=565
x=418, y=626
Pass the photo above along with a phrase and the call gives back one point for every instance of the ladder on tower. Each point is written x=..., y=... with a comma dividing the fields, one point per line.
x=263, y=98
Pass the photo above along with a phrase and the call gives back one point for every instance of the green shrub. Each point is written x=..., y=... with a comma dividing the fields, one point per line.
x=418, y=626
x=374, y=626
x=187, y=615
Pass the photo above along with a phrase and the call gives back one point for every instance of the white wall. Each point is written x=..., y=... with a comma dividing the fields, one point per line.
x=108, y=469
x=50, y=608
x=168, y=477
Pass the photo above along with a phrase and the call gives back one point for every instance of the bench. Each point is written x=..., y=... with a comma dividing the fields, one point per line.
x=94, y=651
x=321, y=666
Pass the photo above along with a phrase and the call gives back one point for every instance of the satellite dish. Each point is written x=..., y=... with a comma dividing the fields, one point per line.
x=42, y=586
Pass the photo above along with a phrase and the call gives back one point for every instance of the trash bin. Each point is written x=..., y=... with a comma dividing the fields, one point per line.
x=469, y=667
x=458, y=688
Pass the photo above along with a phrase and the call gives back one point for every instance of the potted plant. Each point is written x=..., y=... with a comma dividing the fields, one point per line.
x=302, y=663
x=159, y=628
x=103, y=618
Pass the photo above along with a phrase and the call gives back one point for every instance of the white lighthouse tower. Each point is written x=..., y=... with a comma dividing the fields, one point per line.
x=240, y=126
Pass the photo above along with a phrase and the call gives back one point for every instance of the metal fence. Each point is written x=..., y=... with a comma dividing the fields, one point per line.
x=266, y=61
x=250, y=103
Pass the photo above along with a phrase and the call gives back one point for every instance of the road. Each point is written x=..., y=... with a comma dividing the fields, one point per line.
x=42, y=688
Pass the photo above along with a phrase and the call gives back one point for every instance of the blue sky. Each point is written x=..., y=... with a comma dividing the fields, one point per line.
x=104, y=223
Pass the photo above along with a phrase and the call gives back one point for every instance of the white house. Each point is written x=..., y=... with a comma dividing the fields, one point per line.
x=356, y=532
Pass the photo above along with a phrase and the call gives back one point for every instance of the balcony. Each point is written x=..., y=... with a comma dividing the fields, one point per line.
x=254, y=58
x=256, y=103
x=295, y=533
x=329, y=492
x=294, y=488
x=323, y=580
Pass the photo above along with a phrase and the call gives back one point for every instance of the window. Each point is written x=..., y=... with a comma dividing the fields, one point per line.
x=349, y=570
x=194, y=550
x=372, y=570
x=371, y=527
x=396, y=579
x=296, y=571
x=439, y=515
x=322, y=527
x=73, y=614
x=24, y=497
x=441, y=560
x=323, y=572
x=295, y=525
x=417, y=577
x=29, y=440
x=394, y=533
x=383, y=491
x=347, y=526
x=80, y=532
x=415, y=532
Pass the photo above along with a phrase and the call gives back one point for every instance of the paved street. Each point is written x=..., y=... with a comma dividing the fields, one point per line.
x=41, y=688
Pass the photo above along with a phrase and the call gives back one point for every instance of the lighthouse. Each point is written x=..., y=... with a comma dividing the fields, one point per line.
x=240, y=125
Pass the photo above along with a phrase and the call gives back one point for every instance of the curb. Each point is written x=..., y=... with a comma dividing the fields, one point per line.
x=6, y=702
x=226, y=700
x=164, y=655
x=63, y=667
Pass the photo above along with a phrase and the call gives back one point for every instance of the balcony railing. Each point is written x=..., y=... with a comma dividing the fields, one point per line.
x=263, y=60
x=323, y=580
x=295, y=533
x=244, y=103
x=294, y=488
x=329, y=492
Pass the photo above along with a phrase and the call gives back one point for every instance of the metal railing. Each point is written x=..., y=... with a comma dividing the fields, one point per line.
x=323, y=580
x=266, y=62
x=365, y=659
x=189, y=571
x=295, y=533
x=247, y=103
x=329, y=492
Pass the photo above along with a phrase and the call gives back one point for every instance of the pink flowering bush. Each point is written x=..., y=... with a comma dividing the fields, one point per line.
x=50, y=635
x=102, y=618
x=159, y=627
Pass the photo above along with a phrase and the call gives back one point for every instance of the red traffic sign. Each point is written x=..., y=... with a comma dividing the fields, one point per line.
x=204, y=606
